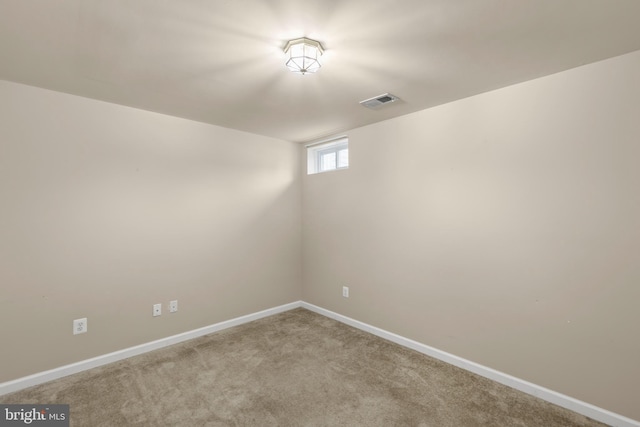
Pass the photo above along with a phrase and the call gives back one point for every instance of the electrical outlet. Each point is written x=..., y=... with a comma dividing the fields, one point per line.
x=173, y=306
x=80, y=326
x=345, y=291
x=157, y=310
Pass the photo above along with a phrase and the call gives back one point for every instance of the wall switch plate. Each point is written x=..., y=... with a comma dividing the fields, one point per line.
x=345, y=291
x=80, y=326
x=173, y=306
x=157, y=310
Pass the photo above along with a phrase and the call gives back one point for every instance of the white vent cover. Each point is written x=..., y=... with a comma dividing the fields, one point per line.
x=377, y=101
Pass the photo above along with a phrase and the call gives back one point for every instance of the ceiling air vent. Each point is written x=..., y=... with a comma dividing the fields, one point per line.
x=377, y=101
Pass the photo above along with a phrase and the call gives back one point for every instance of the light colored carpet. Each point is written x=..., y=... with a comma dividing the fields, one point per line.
x=293, y=369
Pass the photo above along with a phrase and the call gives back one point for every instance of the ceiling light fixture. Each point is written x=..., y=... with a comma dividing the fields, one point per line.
x=303, y=55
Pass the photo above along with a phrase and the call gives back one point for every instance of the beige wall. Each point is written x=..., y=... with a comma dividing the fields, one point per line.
x=106, y=210
x=502, y=228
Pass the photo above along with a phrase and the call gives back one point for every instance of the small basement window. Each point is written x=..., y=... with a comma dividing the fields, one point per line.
x=328, y=155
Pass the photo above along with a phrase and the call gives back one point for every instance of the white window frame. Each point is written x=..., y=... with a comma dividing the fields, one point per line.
x=316, y=150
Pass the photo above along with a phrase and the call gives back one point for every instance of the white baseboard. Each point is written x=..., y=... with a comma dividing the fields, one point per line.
x=63, y=371
x=591, y=411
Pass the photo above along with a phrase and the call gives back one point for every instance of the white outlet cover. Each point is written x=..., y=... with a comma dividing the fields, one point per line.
x=345, y=291
x=157, y=310
x=173, y=306
x=80, y=326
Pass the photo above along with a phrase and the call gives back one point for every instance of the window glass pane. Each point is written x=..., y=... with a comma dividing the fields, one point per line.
x=328, y=156
x=343, y=158
x=328, y=161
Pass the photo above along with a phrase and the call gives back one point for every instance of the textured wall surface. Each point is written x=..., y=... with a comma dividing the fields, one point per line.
x=502, y=228
x=107, y=210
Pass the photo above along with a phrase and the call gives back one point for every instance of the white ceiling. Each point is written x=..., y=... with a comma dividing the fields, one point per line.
x=221, y=61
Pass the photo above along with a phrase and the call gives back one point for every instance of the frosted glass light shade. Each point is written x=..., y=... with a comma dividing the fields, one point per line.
x=303, y=55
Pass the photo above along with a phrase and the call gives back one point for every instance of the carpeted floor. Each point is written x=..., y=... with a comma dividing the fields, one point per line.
x=293, y=369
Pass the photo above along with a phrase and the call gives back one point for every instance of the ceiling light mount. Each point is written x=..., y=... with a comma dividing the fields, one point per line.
x=303, y=55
